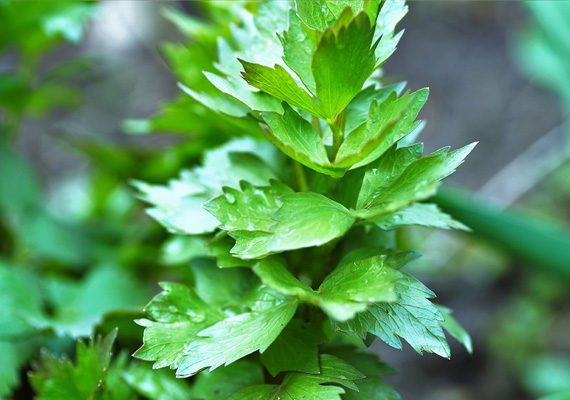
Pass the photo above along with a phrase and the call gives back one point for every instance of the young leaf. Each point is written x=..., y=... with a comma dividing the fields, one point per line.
x=421, y=214
x=297, y=138
x=308, y=219
x=296, y=349
x=279, y=83
x=55, y=378
x=248, y=209
x=382, y=194
x=337, y=83
x=315, y=13
x=358, y=109
x=413, y=317
x=298, y=50
x=297, y=385
x=384, y=171
x=390, y=14
x=386, y=123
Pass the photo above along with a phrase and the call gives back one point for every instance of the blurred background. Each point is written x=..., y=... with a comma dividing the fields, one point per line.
x=90, y=102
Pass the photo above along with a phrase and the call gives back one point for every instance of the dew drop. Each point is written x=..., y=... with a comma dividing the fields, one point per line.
x=230, y=198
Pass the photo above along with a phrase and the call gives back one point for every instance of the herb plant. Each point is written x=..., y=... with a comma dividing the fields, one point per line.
x=291, y=240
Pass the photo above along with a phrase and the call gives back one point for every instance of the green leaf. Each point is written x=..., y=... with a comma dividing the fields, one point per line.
x=218, y=103
x=178, y=210
x=308, y=219
x=279, y=83
x=239, y=90
x=351, y=288
x=413, y=317
x=364, y=361
x=189, y=334
x=392, y=258
x=370, y=6
x=78, y=308
x=68, y=20
x=178, y=206
x=274, y=274
x=156, y=384
x=220, y=248
x=421, y=214
x=337, y=83
x=14, y=355
x=58, y=378
x=452, y=327
x=298, y=50
x=220, y=287
x=386, y=170
x=295, y=349
x=179, y=314
x=19, y=185
x=221, y=383
x=20, y=301
x=235, y=337
x=315, y=13
x=399, y=178
x=298, y=385
x=179, y=250
x=297, y=138
x=372, y=388
x=390, y=14
x=248, y=209
x=251, y=244
x=358, y=109
x=343, y=293
x=386, y=123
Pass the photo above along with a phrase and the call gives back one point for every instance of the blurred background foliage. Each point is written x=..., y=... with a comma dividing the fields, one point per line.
x=88, y=101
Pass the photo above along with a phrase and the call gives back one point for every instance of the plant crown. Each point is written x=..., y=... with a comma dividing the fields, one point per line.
x=300, y=262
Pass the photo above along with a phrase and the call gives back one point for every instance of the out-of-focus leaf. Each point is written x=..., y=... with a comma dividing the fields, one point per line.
x=454, y=329
x=58, y=378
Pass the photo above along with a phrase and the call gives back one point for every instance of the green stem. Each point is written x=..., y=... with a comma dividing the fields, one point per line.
x=337, y=129
x=300, y=177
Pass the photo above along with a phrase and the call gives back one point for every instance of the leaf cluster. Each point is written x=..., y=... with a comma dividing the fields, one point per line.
x=291, y=251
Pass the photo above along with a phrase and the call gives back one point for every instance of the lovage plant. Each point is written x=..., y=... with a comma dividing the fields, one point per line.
x=291, y=241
